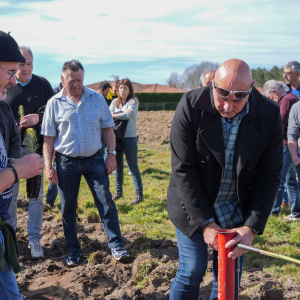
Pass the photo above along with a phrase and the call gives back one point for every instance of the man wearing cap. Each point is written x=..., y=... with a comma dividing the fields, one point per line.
x=10, y=169
x=226, y=144
x=32, y=92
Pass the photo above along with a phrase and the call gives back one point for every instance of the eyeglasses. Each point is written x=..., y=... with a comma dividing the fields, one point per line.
x=10, y=73
x=286, y=73
x=238, y=95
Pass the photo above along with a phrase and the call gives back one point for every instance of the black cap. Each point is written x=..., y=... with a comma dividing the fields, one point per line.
x=9, y=49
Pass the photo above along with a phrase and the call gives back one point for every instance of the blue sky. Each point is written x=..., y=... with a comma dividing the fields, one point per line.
x=147, y=40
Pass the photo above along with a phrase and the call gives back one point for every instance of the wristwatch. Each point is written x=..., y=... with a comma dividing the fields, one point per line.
x=254, y=230
x=112, y=152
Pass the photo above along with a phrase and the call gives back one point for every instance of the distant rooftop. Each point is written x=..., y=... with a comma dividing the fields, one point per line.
x=144, y=88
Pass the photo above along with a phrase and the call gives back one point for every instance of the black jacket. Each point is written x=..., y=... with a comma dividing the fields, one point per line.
x=198, y=160
x=10, y=131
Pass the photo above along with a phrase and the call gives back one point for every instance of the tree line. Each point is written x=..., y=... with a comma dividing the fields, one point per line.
x=190, y=79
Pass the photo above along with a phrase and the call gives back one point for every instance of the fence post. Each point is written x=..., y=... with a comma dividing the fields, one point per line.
x=226, y=266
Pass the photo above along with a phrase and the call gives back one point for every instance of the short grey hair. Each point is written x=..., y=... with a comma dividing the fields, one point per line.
x=73, y=65
x=26, y=49
x=294, y=65
x=271, y=85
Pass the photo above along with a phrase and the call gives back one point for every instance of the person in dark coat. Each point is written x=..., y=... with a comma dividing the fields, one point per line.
x=226, y=143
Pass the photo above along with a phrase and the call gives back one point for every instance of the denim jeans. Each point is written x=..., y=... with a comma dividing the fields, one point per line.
x=8, y=282
x=192, y=268
x=69, y=171
x=52, y=190
x=292, y=185
x=35, y=212
x=130, y=149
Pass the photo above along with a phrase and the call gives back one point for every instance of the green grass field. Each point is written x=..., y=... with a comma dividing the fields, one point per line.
x=151, y=216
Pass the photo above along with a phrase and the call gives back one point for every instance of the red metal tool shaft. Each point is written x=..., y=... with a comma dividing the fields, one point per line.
x=226, y=266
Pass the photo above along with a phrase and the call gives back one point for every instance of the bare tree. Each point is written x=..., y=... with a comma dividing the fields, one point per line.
x=175, y=80
x=191, y=75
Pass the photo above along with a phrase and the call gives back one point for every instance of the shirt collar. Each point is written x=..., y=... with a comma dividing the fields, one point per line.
x=24, y=84
x=86, y=92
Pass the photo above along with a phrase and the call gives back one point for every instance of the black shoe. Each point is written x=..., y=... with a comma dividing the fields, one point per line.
x=117, y=195
x=73, y=261
x=137, y=199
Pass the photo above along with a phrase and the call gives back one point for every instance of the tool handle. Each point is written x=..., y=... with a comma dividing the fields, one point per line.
x=248, y=248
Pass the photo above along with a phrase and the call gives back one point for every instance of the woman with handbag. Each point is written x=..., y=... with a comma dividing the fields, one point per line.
x=125, y=107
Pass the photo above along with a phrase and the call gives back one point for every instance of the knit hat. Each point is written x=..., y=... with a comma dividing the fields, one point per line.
x=9, y=49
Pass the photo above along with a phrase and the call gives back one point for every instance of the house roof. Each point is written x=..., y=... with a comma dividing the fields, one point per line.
x=144, y=88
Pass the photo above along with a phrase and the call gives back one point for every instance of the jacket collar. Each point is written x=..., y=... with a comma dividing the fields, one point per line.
x=258, y=106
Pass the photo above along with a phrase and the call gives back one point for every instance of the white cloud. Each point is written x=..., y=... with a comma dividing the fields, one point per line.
x=98, y=31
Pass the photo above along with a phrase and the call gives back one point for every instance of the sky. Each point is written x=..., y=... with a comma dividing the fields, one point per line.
x=147, y=40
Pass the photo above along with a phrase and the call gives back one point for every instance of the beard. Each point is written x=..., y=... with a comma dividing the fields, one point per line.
x=3, y=94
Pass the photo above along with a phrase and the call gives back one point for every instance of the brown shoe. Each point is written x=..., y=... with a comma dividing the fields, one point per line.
x=284, y=205
x=117, y=195
x=137, y=199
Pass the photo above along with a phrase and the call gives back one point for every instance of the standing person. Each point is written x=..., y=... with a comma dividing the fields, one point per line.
x=104, y=88
x=293, y=136
x=291, y=74
x=125, y=107
x=73, y=124
x=113, y=92
x=10, y=169
x=275, y=91
x=226, y=143
x=32, y=92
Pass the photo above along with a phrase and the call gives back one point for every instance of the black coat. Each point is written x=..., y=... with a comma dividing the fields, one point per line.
x=198, y=160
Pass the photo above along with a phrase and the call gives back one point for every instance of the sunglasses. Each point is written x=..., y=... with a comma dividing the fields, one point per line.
x=10, y=73
x=238, y=95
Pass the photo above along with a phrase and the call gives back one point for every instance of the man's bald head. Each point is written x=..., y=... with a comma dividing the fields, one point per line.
x=233, y=75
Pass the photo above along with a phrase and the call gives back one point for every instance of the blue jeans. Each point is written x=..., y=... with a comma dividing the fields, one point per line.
x=130, y=149
x=292, y=185
x=35, y=210
x=192, y=268
x=69, y=171
x=8, y=282
x=52, y=190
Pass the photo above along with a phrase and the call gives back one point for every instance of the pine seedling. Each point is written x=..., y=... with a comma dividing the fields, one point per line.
x=21, y=112
x=31, y=140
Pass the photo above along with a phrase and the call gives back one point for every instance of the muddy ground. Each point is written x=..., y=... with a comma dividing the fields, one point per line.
x=147, y=274
x=154, y=127
x=100, y=276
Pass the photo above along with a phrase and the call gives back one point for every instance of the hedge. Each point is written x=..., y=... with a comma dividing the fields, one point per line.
x=159, y=97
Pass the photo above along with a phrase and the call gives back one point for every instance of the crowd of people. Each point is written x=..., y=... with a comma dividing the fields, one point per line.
x=234, y=154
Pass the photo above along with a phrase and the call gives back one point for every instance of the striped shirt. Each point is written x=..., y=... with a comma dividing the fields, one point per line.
x=77, y=127
x=227, y=205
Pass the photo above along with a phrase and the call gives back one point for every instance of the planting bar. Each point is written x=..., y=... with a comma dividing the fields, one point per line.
x=256, y=250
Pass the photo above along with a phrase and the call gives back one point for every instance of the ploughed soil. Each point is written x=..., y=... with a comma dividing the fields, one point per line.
x=154, y=127
x=147, y=274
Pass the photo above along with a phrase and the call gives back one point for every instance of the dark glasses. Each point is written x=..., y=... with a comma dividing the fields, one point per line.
x=238, y=95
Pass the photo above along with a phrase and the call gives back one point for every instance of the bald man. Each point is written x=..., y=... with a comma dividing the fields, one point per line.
x=226, y=142
x=206, y=77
